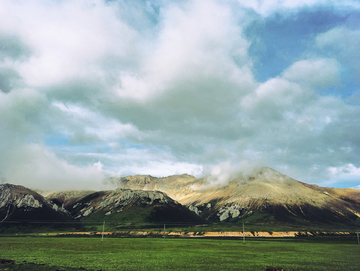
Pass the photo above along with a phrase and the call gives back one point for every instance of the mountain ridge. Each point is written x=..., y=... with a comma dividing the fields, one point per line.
x=265, y=191
x=18, y=203
x=264, y=196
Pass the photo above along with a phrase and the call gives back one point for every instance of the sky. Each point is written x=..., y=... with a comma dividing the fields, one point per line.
x=91, y=89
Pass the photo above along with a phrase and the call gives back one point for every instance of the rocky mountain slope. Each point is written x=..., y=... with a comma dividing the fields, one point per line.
x=265, y=195
x=67, y=198
x=124, y=205
x=18, y=203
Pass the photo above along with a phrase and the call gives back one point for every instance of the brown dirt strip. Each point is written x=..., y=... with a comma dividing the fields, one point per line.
x=200, y=234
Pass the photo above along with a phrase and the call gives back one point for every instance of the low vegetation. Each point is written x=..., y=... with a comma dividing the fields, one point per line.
x=326, y=253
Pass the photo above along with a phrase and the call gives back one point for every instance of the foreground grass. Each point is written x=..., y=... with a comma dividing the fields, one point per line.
x=184, y=254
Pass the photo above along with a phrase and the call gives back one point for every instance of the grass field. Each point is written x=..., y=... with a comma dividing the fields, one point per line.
x=184, y=254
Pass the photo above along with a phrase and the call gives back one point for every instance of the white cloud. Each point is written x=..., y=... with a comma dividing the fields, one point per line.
x=82, y=121
x=293, y=91
x=199, y=40
x=135, y=161
x=343, y=43
x=347, y=172
x=67, y=38
x=34, y=165
x=267, y=7
x=317, y=73
x=225, y=172
x=272, y=100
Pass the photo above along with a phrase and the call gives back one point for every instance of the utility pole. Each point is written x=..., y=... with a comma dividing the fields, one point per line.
x=164, y=233
x=357, y=233
x=243, y=233
x=102, y=236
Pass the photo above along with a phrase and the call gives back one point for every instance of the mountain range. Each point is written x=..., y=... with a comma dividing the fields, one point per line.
x=265, y=196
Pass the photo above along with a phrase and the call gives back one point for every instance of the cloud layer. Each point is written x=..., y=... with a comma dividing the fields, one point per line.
x=90, y=89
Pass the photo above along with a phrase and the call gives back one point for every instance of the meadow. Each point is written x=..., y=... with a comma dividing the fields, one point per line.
x=184, y=254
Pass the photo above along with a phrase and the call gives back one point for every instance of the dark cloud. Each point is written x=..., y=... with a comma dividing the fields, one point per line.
x=11, y=47
x=9, y=79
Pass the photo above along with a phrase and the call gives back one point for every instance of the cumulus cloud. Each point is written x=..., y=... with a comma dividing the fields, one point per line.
x=327, y=73
x=91, y=89
x=67, y=38
x=197, y=41
x=343, y=42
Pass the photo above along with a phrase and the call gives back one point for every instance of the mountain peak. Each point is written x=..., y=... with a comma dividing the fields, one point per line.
x=263, y=190
x=20, y=203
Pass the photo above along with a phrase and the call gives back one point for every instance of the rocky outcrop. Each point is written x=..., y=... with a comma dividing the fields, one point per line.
x=20, y=203
x=194, y=209
x=227, y=211
x=28, y=201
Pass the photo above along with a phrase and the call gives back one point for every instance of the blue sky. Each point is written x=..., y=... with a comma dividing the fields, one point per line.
x=94, y=89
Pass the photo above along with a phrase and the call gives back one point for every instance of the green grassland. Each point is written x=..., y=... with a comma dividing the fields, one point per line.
x=184, y=254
